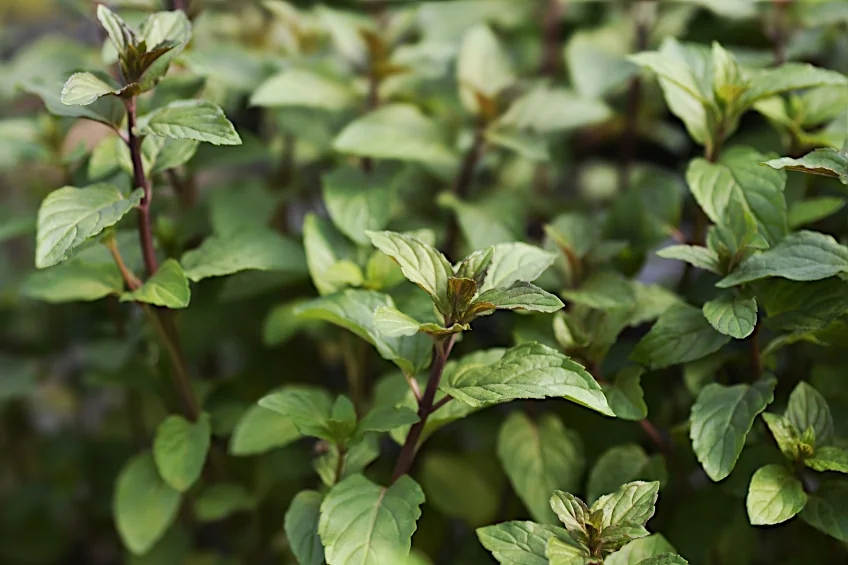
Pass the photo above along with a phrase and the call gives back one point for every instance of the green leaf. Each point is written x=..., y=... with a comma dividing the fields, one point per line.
x=302, y=88
x=309, y=409
x=695, y=255
x=73, y=280
x=516, y=262
x=69, y=216
x=386, y=419
x=732, y=314
x=260, y=430
x=529, y=370
x=538, y=458
x=354, y=310
x=785, y=434
x=458, y=487
x=546, y=110
x=625, y=395
x=802, y=256
x=664, y=559
x=144, y=505
x=199, y=120
x=118, y=31
x=617, y=466
x=330, y=256
x=255, y=249
x=571, y=511
x=391, y=322
x=739, y=181
x=221, y=500
x=789, y=76
x=774, y=496
x=632, y=503
x=168, y=287
x=807, y=408
x=603, y=290
x=520, y=296
x=83, y=89
x=826, y=162
x=825, y=510
x=420, y=263
x=240, y=207
x=596, y=60
x=721, y=418
x=180, y=448
x=108, y=110
x=639, y=550
x=802, y=305
x=519, y=543
x=359, y=455
x=680, y=335
x=360, y=518
x=828, y=458
x=394, y=131
x=560, y=552
x=301, y=526
x=530, y=145
x=357, y=201
x=812, y=210
x=482, y=68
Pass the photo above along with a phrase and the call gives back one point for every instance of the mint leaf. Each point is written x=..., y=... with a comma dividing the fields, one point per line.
x=82, y=89
x=309, y=409
x=774, y=496
x=386, y=419
x=560, y=552
x=721, y=418
x=167, y=287
x=255, y=249
x=825, y=510
x=538, y=458
x=785, y=434
x=330, y=256
x=639, y=550
x=632, y=503
x=419, y=262
x=802, y=256
x=828, y=458
x=664, y=559
x=732, y=314
x=180, y=448
x=69, y=216
x=391, y=322
x=603, y=290
x=739, y=181
x=144, y=505
x=199, y=120
x=826, y=162
x=118, y=31
x=73, y=280
x=789, y=76
x=304, y=89
x=260, y=430
x=519, y=543
x=695, y=255
x=680, y=335
x=520, y=296
x=807, y=408
x=571, y=511
x=361, y=520
x=516, y=262
x=812, y=210
x=357, y=202
x=620, y=465
x=458, y=486
x=301, y=527
x=482, y=68
x=529, y=370
x=546, y=110
x=220, y=500
x=625, y=395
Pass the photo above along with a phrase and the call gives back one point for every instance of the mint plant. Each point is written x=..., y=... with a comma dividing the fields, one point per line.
x=424, y=283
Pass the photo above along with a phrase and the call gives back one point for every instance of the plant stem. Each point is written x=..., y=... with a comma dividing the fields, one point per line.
x=442, y=349
x=372, y=103
x=340, y=463
x=634, y=99
x=756, y=359
x=179, y=5
x=140, y=180
x=353, y=369
x=462, y=183
x=551, y=44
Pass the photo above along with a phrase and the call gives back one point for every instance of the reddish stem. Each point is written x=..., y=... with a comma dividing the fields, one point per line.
x=140, y=180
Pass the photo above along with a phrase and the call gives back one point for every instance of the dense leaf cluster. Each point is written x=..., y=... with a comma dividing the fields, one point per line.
x=410, y=283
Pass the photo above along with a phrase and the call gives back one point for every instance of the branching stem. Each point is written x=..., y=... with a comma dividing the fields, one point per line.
x=426, y=406
x=140, y=180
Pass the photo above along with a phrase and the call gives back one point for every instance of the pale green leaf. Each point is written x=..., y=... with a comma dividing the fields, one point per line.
x=632, y=503
x=330, y=256
x=664, y=559
x=107, y=110
x=309, y=409
x=695, y=255
x=826, y=162
x=680, y=335
x=168, y=287
x=144, y=505
x=721, y=418
x=802, y=256
x=785, y=435
x=221, y=500
x=540, y=457
x=545, y=110
x=359, y=455
x=529, y=145
x=421, y=263
x=391, y=322
x=395, y=131
x=602, y=290
x=520, y=296
x=386, y=419
x=73, y=280
x=738, y=181
x=807, y=408
x=255, y=249
x=639, y=550
x=625, y=395
x=828, y=458
x=302, y=88
x=826, y=510
x=260, y=430
x=482, y=67
x=180, y=448
x=69, y=216
x=516, y=262
x=560, y=552
x=199, y=120
x=617, y=466
x=571, y=511
x=360, y=518
x=519, y=543
x=82, y=89
x=357, y=201
x=529, y=370
x=118, y=31
x=732, y=314
x=597, y=62
x=774, y=496
x=789, y=76
x=301, y=526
